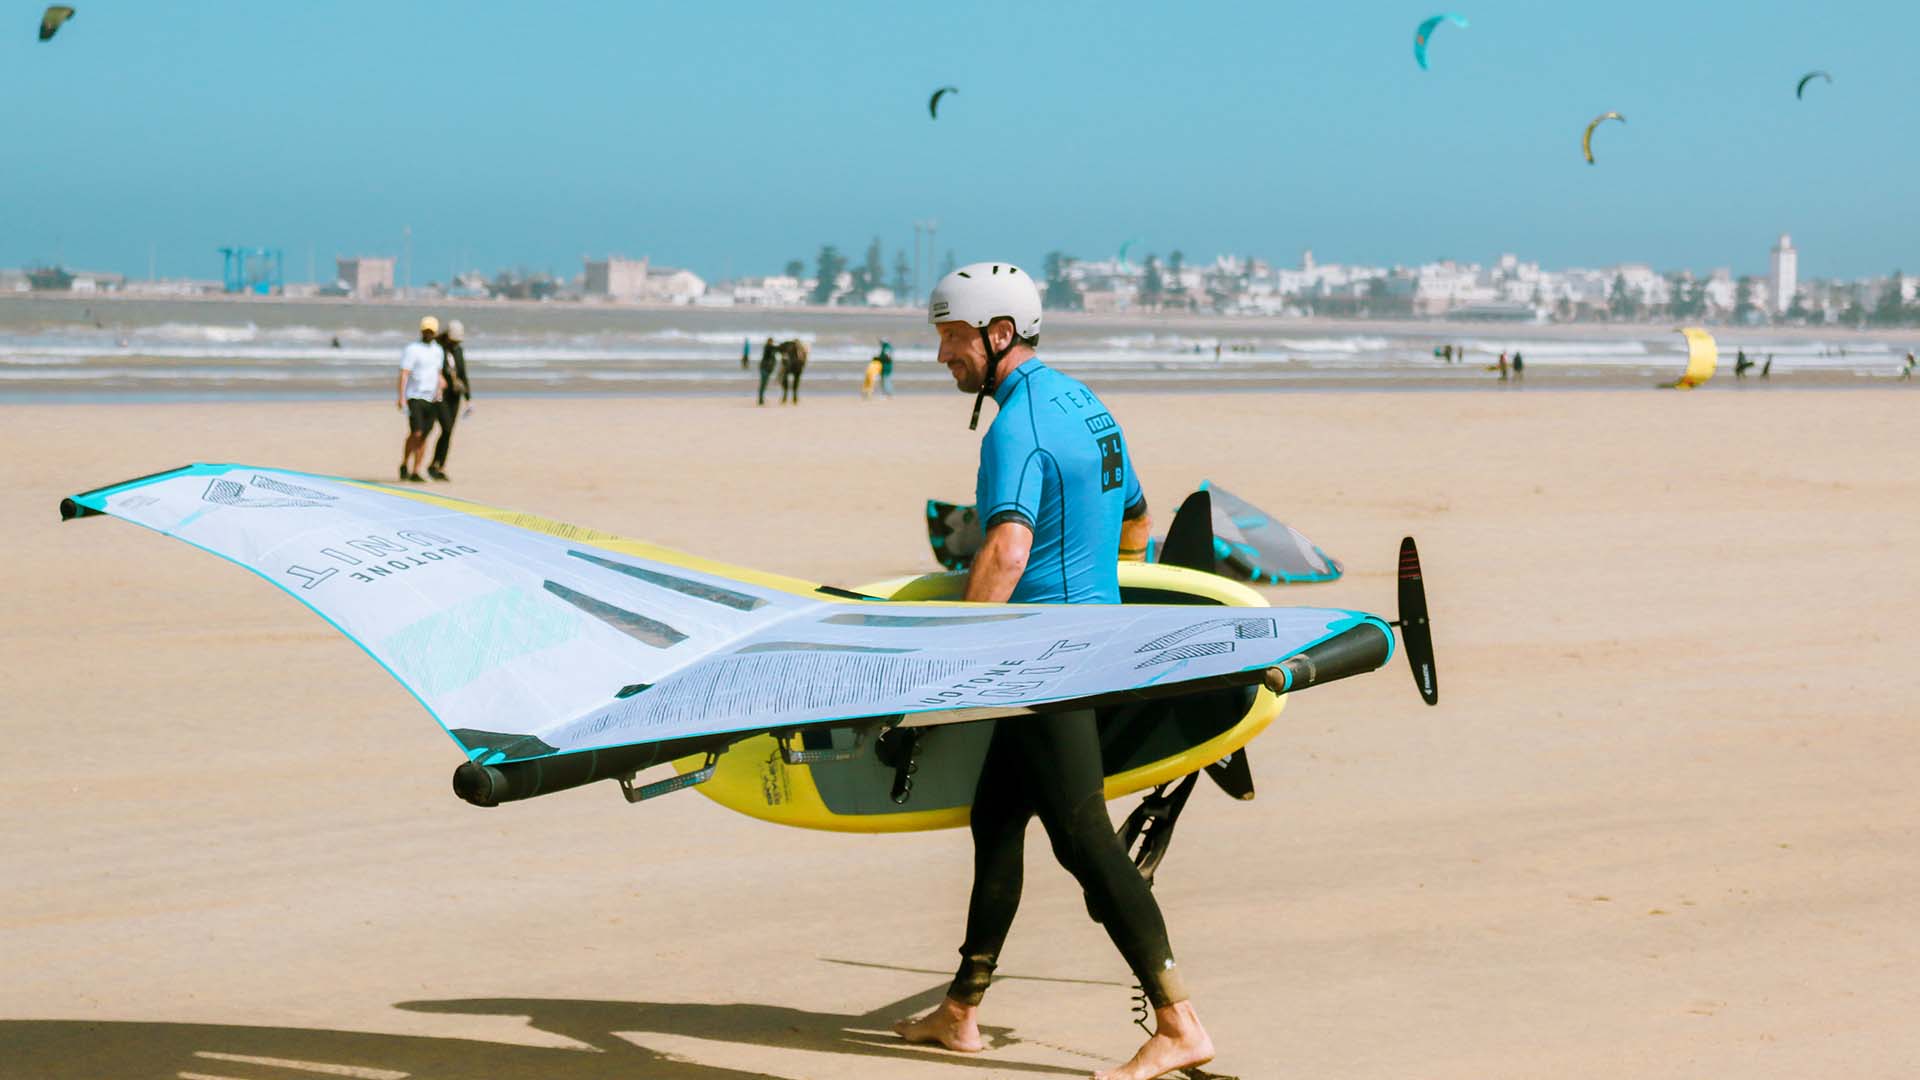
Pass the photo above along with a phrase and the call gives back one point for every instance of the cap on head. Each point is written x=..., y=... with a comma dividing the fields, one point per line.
x=979, y=293
x=456, y=332
x=429, y=325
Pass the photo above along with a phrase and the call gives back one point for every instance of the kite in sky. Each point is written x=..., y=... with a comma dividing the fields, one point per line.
x=51, y=20
x=1586, y=141
x=1425, y=34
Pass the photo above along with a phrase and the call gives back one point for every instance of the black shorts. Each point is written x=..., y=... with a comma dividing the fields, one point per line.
x=421, y=415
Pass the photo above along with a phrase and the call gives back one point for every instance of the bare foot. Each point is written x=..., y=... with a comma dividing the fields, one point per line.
x=1178, y=1042
x=951, y=1024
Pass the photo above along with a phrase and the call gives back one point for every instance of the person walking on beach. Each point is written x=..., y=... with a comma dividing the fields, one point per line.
x=886, y=367
x=1059, y=501
x=1519, y=366
x=418, y=395
x=456, y=389
x=1741, y=364
x=793, y=364
x=769, y=356
x=1907, y=372
x=1766, y=372
x=1503, y=365
x=746, y=352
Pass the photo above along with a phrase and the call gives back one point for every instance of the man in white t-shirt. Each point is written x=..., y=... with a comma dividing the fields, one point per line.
x=421, y=383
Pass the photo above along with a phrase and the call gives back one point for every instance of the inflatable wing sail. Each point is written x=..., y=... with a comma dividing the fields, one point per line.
x=1260, y=549
x=954, y=533
x=1703, y=355
x=1247, y=544
x=527, y=638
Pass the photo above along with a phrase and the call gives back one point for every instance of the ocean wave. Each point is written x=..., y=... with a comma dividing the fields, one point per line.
x=1566, y=348
x=1817, y=349
x=194, y=332
x=1354, y=344
x=728, y=338
x=181, y=375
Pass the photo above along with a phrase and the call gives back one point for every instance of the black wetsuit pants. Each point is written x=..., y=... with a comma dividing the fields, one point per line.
x=1050, y=765
x=766, y=373
x=449, y=412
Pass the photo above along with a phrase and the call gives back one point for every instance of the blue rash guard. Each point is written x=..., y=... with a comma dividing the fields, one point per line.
x=1055, y=460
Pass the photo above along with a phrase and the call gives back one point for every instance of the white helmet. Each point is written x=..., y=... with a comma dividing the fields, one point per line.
x=979, y=293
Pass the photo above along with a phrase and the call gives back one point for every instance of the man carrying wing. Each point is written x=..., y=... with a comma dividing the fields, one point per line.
x=1059, y=501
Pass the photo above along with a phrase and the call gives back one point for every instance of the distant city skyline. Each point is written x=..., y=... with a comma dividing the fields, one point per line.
x=1507, y=289
x=151, y=136
x=329, y=270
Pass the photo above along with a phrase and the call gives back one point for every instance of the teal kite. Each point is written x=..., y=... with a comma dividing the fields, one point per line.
x=1425, y=34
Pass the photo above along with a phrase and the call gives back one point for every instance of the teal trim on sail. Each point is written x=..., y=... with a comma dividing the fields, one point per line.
x=96, y=501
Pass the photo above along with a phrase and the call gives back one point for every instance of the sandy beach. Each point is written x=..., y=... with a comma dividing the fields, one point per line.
x=1664, y=822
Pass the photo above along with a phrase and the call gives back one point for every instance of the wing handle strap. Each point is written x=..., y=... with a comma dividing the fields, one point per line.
x=816, y=757
x=671, y=784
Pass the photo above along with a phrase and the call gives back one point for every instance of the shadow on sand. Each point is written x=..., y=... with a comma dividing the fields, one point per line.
x=611, y=1034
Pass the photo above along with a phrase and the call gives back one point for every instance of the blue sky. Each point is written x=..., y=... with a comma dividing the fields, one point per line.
x=731, y=138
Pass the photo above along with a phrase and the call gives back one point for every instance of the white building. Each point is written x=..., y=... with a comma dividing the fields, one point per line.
x=365, y=276
x=1437, y=288
x=774, y=290
x=615, y=278
x=1784, y=278
x=629, y=280
x=1646, y=287
x=665, y=285
x=1720, y=290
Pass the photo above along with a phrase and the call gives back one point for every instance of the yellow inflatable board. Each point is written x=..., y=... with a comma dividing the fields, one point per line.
x=1144, y=744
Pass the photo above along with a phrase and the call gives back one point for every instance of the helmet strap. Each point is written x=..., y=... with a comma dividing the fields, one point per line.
x=990, y=382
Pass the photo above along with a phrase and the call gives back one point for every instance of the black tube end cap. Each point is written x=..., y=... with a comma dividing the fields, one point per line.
x=477, y=784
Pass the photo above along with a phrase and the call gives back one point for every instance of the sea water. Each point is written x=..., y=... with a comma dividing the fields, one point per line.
x=105, y=348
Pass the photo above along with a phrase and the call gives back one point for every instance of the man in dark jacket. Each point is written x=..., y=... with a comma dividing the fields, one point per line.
x=457, y=391
x=769, y=356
